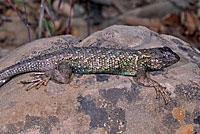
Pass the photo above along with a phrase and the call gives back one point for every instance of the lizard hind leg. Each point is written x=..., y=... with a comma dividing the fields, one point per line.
x=61, y=74
x=142, y=79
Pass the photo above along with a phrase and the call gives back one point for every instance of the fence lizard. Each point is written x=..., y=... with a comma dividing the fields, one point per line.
x=60, y=65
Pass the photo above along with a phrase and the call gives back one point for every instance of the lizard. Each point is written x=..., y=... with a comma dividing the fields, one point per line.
x=61, y=64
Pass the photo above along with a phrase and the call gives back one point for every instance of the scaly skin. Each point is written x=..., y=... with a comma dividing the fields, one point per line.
x=95, y=60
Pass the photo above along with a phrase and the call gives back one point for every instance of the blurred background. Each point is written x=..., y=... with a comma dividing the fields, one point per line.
x=22, y=21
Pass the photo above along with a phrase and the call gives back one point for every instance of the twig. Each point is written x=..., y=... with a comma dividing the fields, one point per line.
x=69, y=20
x=46, y=25
x=26, y=21
x=58, y=8
x=51, y=17
x=41, y=18
x=88, y=16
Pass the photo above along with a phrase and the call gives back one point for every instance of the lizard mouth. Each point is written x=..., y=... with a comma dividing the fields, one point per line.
x=177, y=57
x=174, y=58
x=169, y=56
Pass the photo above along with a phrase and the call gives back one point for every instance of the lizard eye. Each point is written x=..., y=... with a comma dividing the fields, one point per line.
x=166, y=56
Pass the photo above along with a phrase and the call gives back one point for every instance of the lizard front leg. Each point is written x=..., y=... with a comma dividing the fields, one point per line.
x=61, y=74
x=142, y=79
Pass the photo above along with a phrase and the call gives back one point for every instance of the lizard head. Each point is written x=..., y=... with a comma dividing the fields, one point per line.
x=161, y=58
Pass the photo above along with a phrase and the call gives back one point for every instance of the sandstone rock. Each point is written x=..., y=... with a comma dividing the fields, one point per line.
x=101, y=103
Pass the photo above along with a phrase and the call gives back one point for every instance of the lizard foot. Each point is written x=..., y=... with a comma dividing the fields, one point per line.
x=61, y=74
x=39, y=80
x=161, y=91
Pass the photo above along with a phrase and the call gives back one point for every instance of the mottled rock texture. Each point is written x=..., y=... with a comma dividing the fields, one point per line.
x=101, y=103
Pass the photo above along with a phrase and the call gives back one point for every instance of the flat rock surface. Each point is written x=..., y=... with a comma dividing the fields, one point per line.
x=101, y=103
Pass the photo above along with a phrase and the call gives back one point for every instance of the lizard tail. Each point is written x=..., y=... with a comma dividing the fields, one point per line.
x=19, y=68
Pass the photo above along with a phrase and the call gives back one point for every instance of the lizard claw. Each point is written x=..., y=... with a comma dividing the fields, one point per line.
x=37, y=82
x=161, y=91
x=158, y=94
x=37, y=74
